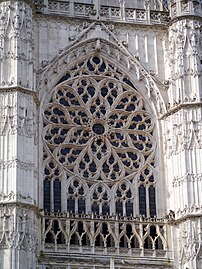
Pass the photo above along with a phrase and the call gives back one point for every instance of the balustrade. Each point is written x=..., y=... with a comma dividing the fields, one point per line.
x=140, y=12
x=84, y=233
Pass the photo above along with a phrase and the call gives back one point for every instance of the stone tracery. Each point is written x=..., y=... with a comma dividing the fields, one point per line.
x=97, y=128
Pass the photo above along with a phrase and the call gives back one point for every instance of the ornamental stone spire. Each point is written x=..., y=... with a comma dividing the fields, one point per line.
x=18, y=137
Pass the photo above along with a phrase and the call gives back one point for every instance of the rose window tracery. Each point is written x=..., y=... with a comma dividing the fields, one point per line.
x=97, y=129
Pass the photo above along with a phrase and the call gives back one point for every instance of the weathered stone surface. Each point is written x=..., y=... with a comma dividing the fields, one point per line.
x=100, y=134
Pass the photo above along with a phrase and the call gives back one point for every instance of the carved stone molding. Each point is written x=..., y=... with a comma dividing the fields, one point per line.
x=15, y=116
x=80, y=261
x=184, y=61
x=16, y=44
x=16, y=197
x=16, y=163
x=189, y=211
x=189, y=241
x=13, y=89
x=17, y=20
x=178, y=181
x=183, y=131
x=184, y=8
x=17, y=229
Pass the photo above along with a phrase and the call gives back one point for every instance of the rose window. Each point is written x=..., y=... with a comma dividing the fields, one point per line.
x=97, y=129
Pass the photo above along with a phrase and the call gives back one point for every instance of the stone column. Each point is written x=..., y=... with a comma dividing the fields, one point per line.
x=18, y=138
x=183, y=129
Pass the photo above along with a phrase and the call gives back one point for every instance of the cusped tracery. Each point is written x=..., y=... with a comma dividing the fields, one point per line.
x=97, y=128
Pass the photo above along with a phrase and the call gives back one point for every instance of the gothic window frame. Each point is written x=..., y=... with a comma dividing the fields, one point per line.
x=145, y=100
x=76, y=195
x=100, y=194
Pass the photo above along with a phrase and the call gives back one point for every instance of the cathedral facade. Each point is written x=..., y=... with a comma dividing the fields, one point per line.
x=100, y=134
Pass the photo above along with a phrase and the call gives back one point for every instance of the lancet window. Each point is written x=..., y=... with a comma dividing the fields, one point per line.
x=124, y=199
x=100, y=201
x=99, y=144
x=76, y=197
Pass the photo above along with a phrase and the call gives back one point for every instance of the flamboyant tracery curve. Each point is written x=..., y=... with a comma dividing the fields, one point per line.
x=98, y=143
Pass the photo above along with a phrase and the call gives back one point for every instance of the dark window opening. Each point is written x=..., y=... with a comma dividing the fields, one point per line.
x=46, y=187
x=74, y=240
x=85, y=240
x=105, y=229
x=95, y=208
x=71, y=205
x=123, y=242
x=105, y=209
x=49, y=238
x=119, y=208
x=152, y=201
x=55, y=226
x=129, y=209
x=81, y=206
x=61, y=239
x=134, y=243
x=110, y=241
x=147, y=243
x=99, y=241
x=142, y=200
x=158, y=244
x=153, y=233
x=98, y=129
x=57, y=195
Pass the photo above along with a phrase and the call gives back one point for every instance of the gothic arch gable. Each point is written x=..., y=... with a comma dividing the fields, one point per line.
x=88, y=87
x=153, y=90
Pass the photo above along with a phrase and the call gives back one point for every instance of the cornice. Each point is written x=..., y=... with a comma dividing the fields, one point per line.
x=182, y=17
x=135, y=262
x=179, y=107
x=17, y=204
x=185, y=218
x=22, y=90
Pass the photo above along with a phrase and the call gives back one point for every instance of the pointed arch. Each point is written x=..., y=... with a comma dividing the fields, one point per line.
x=123, y=195
x=100, y=199
x=76, y=191
x=103, y=128
x=56, y=72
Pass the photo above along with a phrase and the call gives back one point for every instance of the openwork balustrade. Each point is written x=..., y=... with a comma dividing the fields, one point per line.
x=183, y=8
x=104, y=235
x=139, y=13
